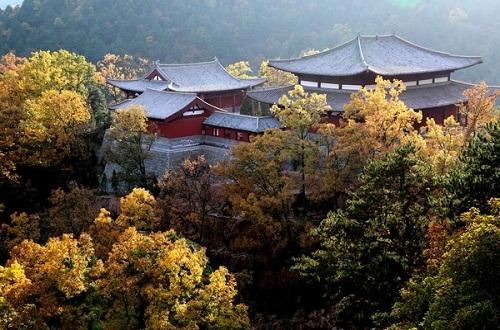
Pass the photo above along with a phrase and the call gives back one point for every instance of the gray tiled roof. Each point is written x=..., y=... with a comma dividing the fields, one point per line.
x=203, y=77
x=242, y=122
x=415, y=97
x=384, y=55
x=158, y=104
x=139, y=85
x=189, y=78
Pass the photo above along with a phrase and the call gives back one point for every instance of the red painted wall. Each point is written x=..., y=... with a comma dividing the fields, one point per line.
x=229, y=134
x=439, y=114
x=181, y=127
x=331, y=119
x=178, y=125
x=225, y=100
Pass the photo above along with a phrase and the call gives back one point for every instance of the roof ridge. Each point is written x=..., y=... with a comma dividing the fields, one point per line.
x=362, y=56
x=137, y=79
x=215, y=60
x=169, y=92
x=272, y=88
x=347, y=43
x=433, y=50
x=112, y=105
x=245, y=116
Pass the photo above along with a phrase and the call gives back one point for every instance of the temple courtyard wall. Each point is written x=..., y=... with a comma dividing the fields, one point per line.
x=170, y=153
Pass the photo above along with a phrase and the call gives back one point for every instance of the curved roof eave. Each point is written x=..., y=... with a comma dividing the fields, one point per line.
x=284, y=64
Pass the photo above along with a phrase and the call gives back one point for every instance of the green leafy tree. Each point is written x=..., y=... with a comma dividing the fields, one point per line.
x=464, y=292
x=479, y=178
x=368, y=251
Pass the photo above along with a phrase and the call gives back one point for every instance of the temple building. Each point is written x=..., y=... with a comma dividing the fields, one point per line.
x=182, y=105
x=194, y=108
x=344, y=70
x=208, y=80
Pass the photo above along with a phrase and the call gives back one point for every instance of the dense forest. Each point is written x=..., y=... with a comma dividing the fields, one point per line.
x=384, y=221
x=198, y=30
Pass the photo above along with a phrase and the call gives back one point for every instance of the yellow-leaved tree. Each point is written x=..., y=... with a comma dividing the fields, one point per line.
x=128, y=147
x=12, y=96
x=137, y=209
x=275, y=77
x=60, y=70
x=479, y=109
x=53, y=276
x=53, y=125
x=241, y=70
x=158, y=281
x=300, y=112
x=379, y=118
x=114, y=66
x=375, y=122
x=443, y=144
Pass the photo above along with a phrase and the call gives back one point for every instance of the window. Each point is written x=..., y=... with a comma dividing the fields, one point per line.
x=351, y=87
x=227, y=133
x=216, y=132
x=425, y=82
x=330, y=86
x=410, y=83
x=309, y=83
x=193, y=113
x=441, y=79
x=239, y=136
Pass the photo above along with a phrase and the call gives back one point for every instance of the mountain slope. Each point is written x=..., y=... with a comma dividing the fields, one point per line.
x=195, y=30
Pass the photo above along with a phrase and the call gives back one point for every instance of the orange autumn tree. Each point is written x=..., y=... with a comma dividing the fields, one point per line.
x=443, y=143
x=187, y=196
x=479, y=109
x=260, y=191
x=121, y=67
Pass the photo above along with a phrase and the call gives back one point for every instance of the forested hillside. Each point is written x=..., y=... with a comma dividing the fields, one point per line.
x=384, y=219
x=180, y=31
